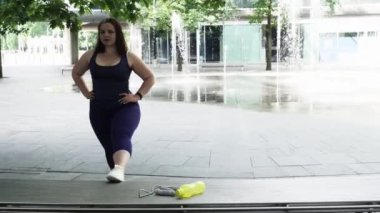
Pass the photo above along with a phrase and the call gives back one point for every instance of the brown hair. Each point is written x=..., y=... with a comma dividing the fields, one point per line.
x=120, y=43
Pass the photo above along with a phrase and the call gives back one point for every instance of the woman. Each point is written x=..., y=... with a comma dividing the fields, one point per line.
x=114, y=110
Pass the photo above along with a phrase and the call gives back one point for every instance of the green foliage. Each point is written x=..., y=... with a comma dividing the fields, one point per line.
x=331, y=4
x=158, y=15
x=195, y=11
x=262, y=9
x=87, y=39
x=265, y=8
x=60, y=13
x=16, y=13
x=37, y=29
x=10, y=42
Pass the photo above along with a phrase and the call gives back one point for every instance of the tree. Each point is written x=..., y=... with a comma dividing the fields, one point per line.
x=16, y=13
x=264, y=10
x=10, y=42
x=332, y=4
x=38, y=29
x=193, y=12
x=61, y=13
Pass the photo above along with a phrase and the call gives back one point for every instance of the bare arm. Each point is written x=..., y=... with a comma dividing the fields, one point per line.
x=143, y=72
x=78, y=71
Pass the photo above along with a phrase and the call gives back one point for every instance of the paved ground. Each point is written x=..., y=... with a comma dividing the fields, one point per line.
x=49, y=155
x=45, y=134
x=270, y=192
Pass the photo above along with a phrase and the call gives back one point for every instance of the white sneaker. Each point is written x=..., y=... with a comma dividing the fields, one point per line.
x=116, y=175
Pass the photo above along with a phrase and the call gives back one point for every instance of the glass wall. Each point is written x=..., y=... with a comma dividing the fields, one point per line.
x=156, y=46
x=243, y=43
x=243, y=3
x=358, y=47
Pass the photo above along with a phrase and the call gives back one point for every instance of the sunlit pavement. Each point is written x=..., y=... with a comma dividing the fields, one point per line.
x=331, y=131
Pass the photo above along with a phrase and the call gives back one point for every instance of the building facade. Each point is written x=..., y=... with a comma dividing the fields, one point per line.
x=310, y=33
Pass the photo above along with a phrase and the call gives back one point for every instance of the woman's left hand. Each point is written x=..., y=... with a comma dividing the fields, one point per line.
x=127, y=98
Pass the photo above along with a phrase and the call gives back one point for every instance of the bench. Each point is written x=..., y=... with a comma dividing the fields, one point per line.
x=66, y=68
x=221, y=66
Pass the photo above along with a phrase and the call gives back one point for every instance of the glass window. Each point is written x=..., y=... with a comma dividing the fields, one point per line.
x=348, y=34
x=372, y=34
x=243, y=3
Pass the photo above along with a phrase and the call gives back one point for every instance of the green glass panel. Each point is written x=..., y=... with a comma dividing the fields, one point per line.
x=242, y=44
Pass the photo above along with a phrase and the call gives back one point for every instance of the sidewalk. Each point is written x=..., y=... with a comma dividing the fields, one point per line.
x=50, y=158
x=265, y=193
x=46, y=135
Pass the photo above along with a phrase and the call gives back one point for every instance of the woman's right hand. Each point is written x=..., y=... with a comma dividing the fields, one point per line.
x=89, y=95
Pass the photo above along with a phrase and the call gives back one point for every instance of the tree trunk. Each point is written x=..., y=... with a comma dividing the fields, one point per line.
x=179, y=59
x=268, y=37
x=1, y=63
x=268, y=46
x=74, y=46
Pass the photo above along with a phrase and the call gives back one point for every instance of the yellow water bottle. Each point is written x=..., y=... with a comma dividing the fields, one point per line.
x=190, y=189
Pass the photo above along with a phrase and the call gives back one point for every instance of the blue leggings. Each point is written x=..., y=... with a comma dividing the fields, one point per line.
x=114, y=125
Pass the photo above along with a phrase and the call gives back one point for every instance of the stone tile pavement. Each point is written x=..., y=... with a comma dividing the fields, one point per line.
x=268, y=192
x=45, y=134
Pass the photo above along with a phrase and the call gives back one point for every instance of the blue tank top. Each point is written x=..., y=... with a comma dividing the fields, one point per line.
x=109, y=81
